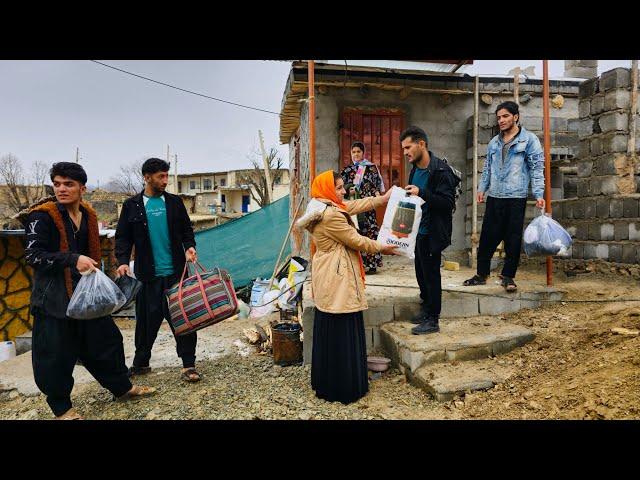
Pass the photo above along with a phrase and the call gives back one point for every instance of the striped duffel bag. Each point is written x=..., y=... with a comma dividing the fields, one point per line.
x=201, y=299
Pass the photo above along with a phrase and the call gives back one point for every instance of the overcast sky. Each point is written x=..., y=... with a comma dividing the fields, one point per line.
x=51, y=107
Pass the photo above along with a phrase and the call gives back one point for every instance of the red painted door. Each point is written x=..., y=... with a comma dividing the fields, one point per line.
x=379, y=130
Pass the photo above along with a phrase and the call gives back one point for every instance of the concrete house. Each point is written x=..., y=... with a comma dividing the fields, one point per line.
x=373, y=105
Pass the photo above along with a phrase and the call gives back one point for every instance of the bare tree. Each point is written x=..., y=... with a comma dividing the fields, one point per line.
x=21, y=190
x=128, y=180
x=257, y=179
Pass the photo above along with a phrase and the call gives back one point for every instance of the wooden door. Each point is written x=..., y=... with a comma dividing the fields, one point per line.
x=379, y=130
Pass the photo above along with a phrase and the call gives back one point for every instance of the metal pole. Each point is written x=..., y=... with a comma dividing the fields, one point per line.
x=631, y=145
x=547, y=155
x=474, y=221
x=516, y=86
x=312, y=132
x=175, y=177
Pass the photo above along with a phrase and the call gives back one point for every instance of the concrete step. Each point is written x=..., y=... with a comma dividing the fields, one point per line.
x=444, y=381
x=23, y=343
x=458, y=340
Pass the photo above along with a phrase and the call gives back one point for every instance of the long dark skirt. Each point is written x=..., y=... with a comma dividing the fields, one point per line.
x=339, y=359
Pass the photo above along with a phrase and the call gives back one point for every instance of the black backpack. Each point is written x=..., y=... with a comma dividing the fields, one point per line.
x=458, y=191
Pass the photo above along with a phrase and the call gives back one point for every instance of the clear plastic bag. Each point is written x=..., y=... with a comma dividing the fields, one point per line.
x=544, y=236
x=95, y=296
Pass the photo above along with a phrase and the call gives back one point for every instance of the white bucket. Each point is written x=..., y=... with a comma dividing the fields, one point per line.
x=7, y=350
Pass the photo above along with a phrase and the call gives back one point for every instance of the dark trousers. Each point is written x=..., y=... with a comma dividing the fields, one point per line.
x=428, y=275
x=56, y=345
x=503, y=221
x=151, y=310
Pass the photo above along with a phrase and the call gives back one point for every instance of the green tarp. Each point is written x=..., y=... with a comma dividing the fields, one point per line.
x=247, y=247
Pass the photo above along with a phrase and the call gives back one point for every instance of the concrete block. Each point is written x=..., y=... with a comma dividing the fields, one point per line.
x=403, y=312
x=498, y=306
x=378, y=315
x=469, y=353
x=616, y=208
x=377, y=341
x=594, y=231
x=596, y=146
x=584, y=148
x=582, y=231
x=616, y=78
x=615, y=253
x=602, y=251
x=605, y=165
x=613, y=121
x=584, y=108
x=607, y=231
x=616, y=99
x=568, y=210
x=602, y=207
x=578, y=208
x=634, y=231
x=588, y=88
x=505, y=346
x=577, y=250
x=614, y=142
x=621, y=231
x=630, y=207
x=584, y=190
x=629, y=253
x=590, y=250
x=571, y=230
x=532, y=123
x=597, y=104
x=565, y=139
x=558, y=124
x=411, y=360
x=590, y=208
x=484, y=135
x=607, y=185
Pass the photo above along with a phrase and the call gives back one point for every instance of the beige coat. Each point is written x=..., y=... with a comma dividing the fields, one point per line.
x=336, y=282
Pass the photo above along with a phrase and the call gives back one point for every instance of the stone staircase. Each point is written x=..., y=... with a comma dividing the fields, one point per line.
x=456, y=360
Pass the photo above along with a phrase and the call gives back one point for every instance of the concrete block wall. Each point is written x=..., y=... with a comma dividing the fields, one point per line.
x=604, y=218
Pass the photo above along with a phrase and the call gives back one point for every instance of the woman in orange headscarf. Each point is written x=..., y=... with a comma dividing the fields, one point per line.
x=339, y=359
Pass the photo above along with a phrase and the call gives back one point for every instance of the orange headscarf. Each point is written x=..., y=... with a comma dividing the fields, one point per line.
x=323, y=186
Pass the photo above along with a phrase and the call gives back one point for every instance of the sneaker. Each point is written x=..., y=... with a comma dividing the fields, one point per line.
x=429, y=326
x=419, y=318
x=508, y=284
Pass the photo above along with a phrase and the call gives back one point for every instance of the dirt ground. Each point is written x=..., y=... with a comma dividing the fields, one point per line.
x=576, y=368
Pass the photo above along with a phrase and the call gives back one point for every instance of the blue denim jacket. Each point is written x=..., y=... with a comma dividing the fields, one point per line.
x=509, y=177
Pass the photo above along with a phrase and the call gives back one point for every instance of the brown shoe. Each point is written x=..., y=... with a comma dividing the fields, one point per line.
x=70, y=414
x=136, y=391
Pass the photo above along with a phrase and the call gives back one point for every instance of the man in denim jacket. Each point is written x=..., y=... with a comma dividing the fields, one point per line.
x=514, y=157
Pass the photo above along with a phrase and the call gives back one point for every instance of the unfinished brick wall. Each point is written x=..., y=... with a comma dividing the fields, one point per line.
x=604, y=218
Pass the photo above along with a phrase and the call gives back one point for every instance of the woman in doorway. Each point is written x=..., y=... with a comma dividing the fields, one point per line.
x=365, y=178
x=339, y=358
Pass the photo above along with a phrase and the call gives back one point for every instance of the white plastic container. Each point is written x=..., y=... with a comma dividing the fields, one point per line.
x=257, y=291
x=7, y=350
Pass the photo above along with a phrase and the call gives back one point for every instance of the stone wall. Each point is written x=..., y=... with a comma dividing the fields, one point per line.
x=604, y=218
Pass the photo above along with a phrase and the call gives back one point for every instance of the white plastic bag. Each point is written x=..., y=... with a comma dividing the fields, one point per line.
x=95, y=296
x=267, y=306
x=544, y=236
x=401, y=222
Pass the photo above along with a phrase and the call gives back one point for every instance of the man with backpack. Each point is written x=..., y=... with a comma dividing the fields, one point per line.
x=433, y=180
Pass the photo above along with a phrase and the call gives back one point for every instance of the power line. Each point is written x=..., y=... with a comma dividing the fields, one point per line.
x=191, y=92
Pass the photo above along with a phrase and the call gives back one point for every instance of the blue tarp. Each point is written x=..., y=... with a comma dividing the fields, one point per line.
x=247, y=247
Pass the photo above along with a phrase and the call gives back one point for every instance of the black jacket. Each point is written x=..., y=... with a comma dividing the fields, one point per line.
x=133, y=230
x=440, y=198
x=47, y=229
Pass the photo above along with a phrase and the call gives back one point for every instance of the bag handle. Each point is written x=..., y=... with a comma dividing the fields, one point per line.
x=202, y=291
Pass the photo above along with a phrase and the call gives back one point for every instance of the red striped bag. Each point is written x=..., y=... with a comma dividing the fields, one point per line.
x=201, y=299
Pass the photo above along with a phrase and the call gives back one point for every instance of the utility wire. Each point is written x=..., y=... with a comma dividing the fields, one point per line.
x=191, y=92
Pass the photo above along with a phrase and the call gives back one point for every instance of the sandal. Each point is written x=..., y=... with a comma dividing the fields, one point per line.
x=70, y=414
x=133, y=370
x=136, y=391
x=508, y=284
x=475, y=280
x=191, y=375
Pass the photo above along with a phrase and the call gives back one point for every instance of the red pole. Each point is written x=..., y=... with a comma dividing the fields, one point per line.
x=547, y=155
x=312, y=131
